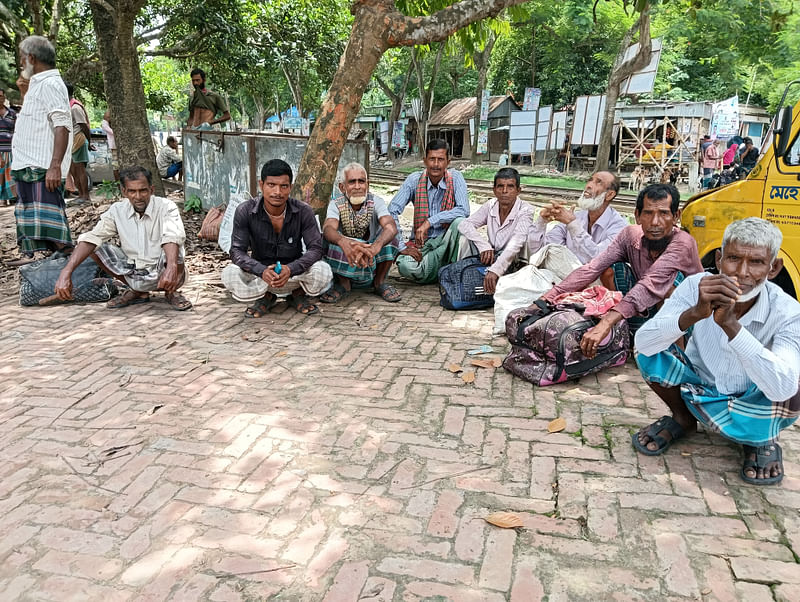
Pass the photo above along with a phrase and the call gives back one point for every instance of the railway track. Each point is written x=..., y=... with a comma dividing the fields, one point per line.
x=536, y=195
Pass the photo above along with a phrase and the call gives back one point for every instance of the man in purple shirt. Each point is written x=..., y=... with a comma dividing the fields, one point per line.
x=269, y=232
x=650, y=259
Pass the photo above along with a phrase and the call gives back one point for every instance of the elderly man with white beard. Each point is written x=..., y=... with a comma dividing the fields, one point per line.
x=587, y=231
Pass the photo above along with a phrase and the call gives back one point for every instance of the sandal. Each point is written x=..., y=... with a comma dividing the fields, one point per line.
x=388, y=293
x=304, y=305
x=129, y=297
x=665, y=423
x=766, y=454
x=334, y=294
x=178, y=301
x=261, y=307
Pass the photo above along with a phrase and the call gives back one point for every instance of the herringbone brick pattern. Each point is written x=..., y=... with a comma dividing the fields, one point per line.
x=336, y=458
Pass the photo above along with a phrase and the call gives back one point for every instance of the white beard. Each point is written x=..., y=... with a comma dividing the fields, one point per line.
x=357, y=200
x=591, y=203
x=745, y=297
x=27, y=70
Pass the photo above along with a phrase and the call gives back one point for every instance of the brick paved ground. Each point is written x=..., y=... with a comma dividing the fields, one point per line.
x=296, y=458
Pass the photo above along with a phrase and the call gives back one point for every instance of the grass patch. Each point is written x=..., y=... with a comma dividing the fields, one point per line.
x=487, y=173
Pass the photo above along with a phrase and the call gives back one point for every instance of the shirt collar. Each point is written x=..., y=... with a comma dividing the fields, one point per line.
x=131, y=212
x=494, y=210
x=760, y=310
x=442, y=183
x=291, y=205
x=45, y=75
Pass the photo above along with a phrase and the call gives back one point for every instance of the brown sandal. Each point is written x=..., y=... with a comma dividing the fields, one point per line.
x=129, y=297
x=178, y=301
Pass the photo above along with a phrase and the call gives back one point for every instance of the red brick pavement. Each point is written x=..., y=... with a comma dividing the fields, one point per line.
x=336, y=458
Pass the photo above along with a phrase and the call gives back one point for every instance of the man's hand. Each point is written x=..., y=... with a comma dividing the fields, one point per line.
x=558, y=212
x=52, y=179
x=276, y=280
x=490, y=282
x=715, y=291
x=22, y=85
x=170, y=280
x=63, y=287
x=353, y=251
x=593, y=337
x=421, y=233
x=413, y=252
x=487, y=257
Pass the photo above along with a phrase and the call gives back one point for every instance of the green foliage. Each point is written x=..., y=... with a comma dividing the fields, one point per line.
x=108, y=190
x=193, y=203
x=166, y=84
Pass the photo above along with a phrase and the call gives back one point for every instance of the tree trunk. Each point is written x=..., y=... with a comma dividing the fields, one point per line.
x=397, y=99
x=619, y=72
x=482, y=64
x=113, y=26
x=426, y=93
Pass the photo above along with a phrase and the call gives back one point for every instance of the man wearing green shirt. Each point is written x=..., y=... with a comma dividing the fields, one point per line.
x=205, y=105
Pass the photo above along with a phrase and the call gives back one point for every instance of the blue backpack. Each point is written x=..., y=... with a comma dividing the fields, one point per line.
x=461, y=285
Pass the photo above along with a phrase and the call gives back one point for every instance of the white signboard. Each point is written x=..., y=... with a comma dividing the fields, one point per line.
x=532, y=97
x=558, y=130
x=521, y=132
x=725, y=118
x=642, y=81
x=543, y=127
x=588, y=120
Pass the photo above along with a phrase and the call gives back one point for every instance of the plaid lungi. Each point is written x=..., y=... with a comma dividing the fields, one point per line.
x=747, y=418
x=40, y=214
x=247, y=288
x=436, y=252
x=624, y=281
x=361, y=277
x=143, y=280
x=8, y=187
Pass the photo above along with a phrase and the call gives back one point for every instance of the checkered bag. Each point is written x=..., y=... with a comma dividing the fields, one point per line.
x=461, y=285
x=37, y=281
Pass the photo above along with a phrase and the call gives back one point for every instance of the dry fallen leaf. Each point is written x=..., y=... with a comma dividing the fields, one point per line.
x=455, y=368
x=468, y=377
x=281, y=353
x=559, y=424
x=506, y=520
x=483, y=363
x=706, y=591
x=497, y=362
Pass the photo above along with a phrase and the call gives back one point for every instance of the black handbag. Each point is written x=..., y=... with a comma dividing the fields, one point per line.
x=37, y=281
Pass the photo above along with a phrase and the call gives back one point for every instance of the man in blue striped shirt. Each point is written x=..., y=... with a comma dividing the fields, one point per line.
x=740, y=370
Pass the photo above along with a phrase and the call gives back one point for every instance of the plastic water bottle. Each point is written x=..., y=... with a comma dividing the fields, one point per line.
x=278, y=267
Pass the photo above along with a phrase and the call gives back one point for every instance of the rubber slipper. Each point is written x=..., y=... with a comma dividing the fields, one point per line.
x=178, y=302
x=766, y=454
x=304, y=306
x=388, y=293
x=127, y=298
x=334, y=294
x=261, y=307
x=665, y=423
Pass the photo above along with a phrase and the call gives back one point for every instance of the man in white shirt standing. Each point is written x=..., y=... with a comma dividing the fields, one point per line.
x=740, y=371
x=40, y=161
x=151, y=237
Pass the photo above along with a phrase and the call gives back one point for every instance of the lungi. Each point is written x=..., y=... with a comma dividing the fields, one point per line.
x=436, y=252
x=8, y=187
x=360, y=277
x=143, y=280
x=748, y=418
x=247, y=288
x=624, y=281
x=40, y=214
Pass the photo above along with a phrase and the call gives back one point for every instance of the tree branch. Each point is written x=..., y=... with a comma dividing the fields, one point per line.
x=107, y=7
x=412, y=31
x=55, y=21
x=11, y=19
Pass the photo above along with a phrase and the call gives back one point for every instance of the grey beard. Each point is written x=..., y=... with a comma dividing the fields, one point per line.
x=591, y=203
x=27, y=71
x=745, y=297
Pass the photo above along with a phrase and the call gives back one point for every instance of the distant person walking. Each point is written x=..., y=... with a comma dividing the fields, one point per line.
x=39, y=152
x=80, y=145
x=205, y=105
x=8, y=119
x=710, y=159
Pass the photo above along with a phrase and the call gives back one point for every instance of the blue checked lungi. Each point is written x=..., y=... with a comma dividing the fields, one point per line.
x=624, y=281
x=360, y=277
x=747, y=418
x=41, y=216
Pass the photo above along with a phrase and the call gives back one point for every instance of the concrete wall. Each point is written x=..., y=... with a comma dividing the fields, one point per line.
x=219, y=165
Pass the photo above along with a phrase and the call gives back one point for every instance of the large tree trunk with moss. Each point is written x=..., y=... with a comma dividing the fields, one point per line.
x=482, y=65
x=377, y=26
x=113, y=26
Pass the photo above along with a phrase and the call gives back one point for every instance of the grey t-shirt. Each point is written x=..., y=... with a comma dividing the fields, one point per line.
x=381, y=210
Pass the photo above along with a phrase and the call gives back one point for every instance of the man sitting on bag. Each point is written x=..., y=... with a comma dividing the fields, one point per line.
x=440, y=199
x=649, y=259
x=507, y=219
x=360, y=236
x=151, y=235
x=739, y=374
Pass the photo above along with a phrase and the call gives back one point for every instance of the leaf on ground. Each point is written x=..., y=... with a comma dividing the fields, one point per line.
x=468, y=377
x=557, y=425
x=497, y=361
x=455, y=368
x=505, y=520
x=281, y=353
x=483, y=363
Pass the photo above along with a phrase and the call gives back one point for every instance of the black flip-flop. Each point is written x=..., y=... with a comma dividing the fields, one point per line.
x=334, y=294
x=765, y=454
x=302, y=303
x=261, y=307
x=665, y=423
x=385, y=292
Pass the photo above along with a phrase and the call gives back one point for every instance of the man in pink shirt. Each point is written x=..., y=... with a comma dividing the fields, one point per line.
x=507, y=219
x=649, y=259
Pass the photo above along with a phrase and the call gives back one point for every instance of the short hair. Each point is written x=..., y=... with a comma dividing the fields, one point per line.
x=276, y=167
x=657, y=192
x=198, y=71
x=748, y=140
x=507, y=173
x=437, y=144
x=171, y=139
x=349, y=167
x=754, y=232
x=615, y=184
x=40, y=48
x=127, y=174
x=706, y=137
x=70, y=89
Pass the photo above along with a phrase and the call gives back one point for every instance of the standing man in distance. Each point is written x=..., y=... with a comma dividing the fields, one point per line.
x=81, y=134
x=205, y=105
x=112, y=143
x=8, y=119
x=40, y=158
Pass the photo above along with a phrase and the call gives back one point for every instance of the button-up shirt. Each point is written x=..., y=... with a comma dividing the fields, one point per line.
x=437, y=218
x=765, y=352
x=655, y=277
x=576, y=235
x=509, y=237
x=46, y=108
x=140, y=236
x=253, y=232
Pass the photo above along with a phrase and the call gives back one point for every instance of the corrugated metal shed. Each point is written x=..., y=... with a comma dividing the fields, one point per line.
x=459, y=111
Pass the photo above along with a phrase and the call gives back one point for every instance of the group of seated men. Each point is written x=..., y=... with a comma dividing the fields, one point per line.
x=721, y=349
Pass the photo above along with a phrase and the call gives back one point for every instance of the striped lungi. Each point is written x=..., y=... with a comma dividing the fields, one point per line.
x=8, y=187
x=360, y=277
x=40, y=214
x=748, y=418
